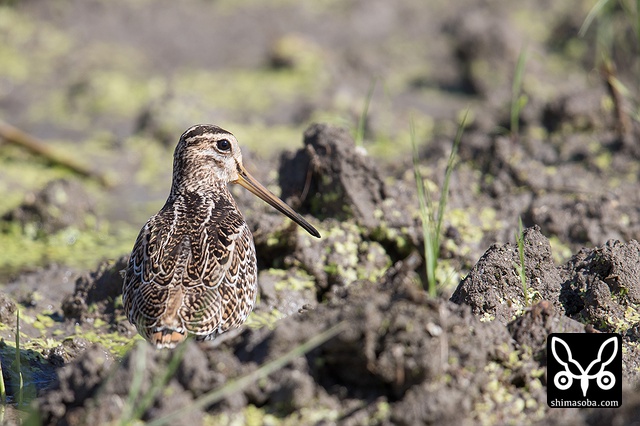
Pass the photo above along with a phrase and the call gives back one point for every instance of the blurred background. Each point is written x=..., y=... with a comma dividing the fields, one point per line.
x=104, y=88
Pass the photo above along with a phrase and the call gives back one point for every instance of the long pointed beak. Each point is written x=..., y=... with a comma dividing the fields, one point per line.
x=249, y=182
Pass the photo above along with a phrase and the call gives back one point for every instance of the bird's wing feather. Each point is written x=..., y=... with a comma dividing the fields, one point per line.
x=206, y=253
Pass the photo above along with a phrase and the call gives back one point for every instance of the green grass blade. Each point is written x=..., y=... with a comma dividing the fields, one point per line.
x=444, y=194
x=18, y=360
x=516, y=89
x=136, y=384
x=240, y=383
x=593, y=13
x=3, y=395
x=359, y=139
x=430, y=259
x=3, y=390
x=432, y=222
x=160, y=381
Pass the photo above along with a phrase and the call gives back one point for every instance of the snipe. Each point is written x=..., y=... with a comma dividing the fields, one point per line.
x=193, y=267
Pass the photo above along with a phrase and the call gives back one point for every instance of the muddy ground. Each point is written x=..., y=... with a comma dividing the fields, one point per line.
x=122, y=80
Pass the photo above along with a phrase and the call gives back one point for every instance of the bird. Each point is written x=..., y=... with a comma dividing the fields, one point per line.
x=193, y=269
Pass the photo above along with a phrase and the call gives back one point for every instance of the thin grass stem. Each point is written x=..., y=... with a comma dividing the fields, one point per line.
x=517, y=99
x=593, y=13
x=160, y=381
x=136, y=384
x=359, y=139
x=425, y=216
x=444, y=194
x=3, y=390
x=18, y=360
x=242, y=382
x=432, y=218
x=3, y=395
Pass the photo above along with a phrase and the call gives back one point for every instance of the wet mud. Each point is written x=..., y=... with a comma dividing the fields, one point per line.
x=473, y=354
x=402, y=357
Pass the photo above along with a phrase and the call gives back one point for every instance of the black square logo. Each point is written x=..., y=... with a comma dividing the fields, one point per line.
x=584, y=370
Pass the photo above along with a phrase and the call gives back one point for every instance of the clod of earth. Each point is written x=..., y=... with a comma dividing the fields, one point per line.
x=60, y=204
x=598, y=288
x=493, y=288
x=330, y=177
x=97, y=294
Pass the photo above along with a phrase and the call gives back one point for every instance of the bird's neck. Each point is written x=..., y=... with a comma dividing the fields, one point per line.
x=203, y=192
x=191, y=178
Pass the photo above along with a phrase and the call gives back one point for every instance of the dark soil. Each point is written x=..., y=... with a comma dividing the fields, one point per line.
x=476, y=353
x=428, y=361
x=404, y=358
x=60, y=204
x=331, y=178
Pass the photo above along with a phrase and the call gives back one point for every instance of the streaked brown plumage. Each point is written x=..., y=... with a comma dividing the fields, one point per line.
x=193, y=267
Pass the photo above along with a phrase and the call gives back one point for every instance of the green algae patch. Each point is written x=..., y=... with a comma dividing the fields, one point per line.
x=100, y=93
x=117, y=93
x=630, y=319
x=346, y=255
x=155, y=173
x=296, y=281
x=116, y=343
x=43, y=321
x=282, y=293
x=395, y=237
x=262, y=319
x=500, y=394
x=19, y=34
x=560, y=251
x=70, y=246
x=396, y=145
x=243, y=91
x=254, y=416
x=472, y=225
x=21, y=173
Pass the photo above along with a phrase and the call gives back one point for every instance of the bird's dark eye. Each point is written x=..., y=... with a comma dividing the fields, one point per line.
x=223, y=145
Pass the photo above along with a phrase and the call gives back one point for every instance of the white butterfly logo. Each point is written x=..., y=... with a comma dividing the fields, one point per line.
x=564, y=379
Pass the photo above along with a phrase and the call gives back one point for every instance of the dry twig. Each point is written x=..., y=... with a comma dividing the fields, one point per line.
x=22, y=139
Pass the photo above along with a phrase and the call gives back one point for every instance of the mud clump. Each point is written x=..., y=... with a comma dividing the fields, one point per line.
x=535, y=324
x=97, y=293
x=341, y=257
x=61, y=204
x=604, y=274
x=8, y=309
x=75, y=383
x=90, y=390
x=330, y=177
x=482, y=40
x=585, y=220
x=362, y=227
x=603, y=287
x=597, y=290
x=493, y=288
